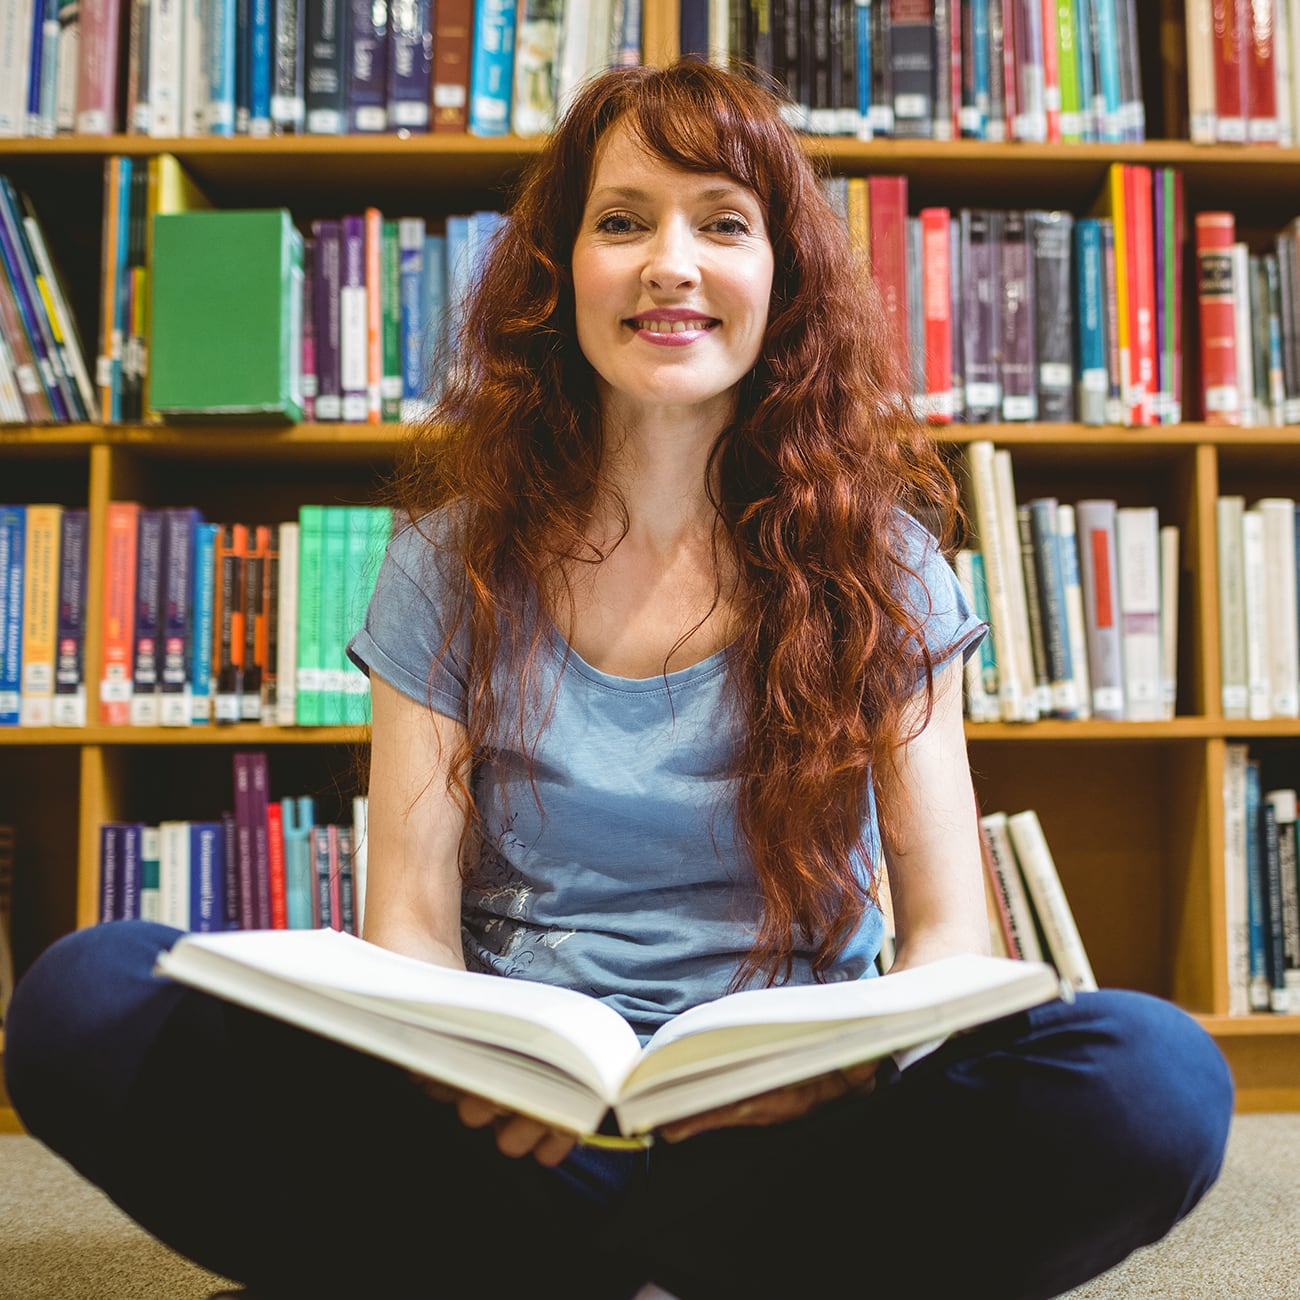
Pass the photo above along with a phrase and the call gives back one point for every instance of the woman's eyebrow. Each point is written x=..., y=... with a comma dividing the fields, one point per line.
x=633, y=194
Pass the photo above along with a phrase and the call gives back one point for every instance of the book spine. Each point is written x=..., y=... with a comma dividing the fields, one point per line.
x=327, y=334
x=936, y=281
x=13, y=564
x=175, y=704
x=232, y=897
x=69, y=703
x=1137, y=557
x=390, y=318
x=367, y=93
x=333, y=581
x=288, y=93
x=322, y=917
x=374, y=276
x=911, y=54
x=1095, y=520
x=452, y=53
x=253, y=621
x=174, y=874
x=203, y=623
x=117, y=640
x=249, y=907
x=1029, y=563
x=346, y=880
x=492, y=67
x=1170, y=575
x=309, y=671
x=1232, y=606
x=165, y=67
x=228, y=623
x=1283, y=804
x=150, y=865
x=1236, y=888
x=1050, y=239
x=1045, y=538
x=286, y=672
x=258, y=802
x=269, y=635
x=1216, y=292
x=410, y=65
x=1000, y=853
x=220, y=32
x=887, y=198
x=150, y=565
x=275, y=864
x=1019, y=400
x=207, y=877
x=1274, y=936
x=297, y=817
x=1277, y=515
x=97, y=67
x=1260, y=67
x=260, y=70
x=353, y=348
x=981, y=318
x=1076, y=622
x=40, y=613
x=325, y=66
x=1259, y=695
x=110, y=871
x=360, y=817
x=194, y=74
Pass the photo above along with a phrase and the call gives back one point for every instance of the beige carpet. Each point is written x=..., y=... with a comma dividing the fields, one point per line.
x=60, y=1239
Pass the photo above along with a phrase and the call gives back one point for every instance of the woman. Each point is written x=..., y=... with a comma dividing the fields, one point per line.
x=665, y=672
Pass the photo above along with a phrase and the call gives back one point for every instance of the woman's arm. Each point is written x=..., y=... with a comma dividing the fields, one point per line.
x=931, y=842
x=414, y=828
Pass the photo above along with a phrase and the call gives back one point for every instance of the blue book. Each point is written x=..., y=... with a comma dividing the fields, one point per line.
x=410, y=65
x=410, y=284
x=367, y=94
x=149, y=566
x=259, y=67
x=1090, y=321
x=435, y=309
x=988, y=658
x=243, y=63
x=458, y=282
x=298, y=818
x=492, y=64
x=207, y=876
x=1107, y=102
x=203, y=569
x=862, y=71
x=69, y=705
x=13, y=569
x=693, y=29
x=974, y=114
x=1083, y=37
x=131, y=853
x=220, y=31
x=110, y=871
x=1256, y=891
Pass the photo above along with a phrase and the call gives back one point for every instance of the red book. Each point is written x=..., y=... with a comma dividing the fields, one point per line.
x=98, y=67
x=117, y=648
x=1141, y=294
x=1260, y=74
x=1216, y=232
x=887, y=215
x=936, y=306
x=1230, y=37
x=453, y=21
x=275, y=861
x=1051, y=72
x=1010, y=70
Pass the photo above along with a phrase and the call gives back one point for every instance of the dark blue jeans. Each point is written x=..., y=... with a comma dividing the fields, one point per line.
x=1017, y=1161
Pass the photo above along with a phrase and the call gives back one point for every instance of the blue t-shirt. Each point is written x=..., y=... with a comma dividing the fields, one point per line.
x=627, y=883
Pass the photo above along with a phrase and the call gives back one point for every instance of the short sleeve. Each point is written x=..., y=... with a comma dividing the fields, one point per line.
x=405, y=626
x=949, y=625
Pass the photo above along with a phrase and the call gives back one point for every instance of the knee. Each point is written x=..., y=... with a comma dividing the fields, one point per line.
x=75, y=1013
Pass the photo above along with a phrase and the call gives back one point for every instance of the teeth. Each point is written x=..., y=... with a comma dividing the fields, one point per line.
x=672, y=326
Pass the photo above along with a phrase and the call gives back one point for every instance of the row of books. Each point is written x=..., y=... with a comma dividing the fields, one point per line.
x=328, y=67
x=264, y=864
x=1243, y=71
x=1081, y=601
x=1249, y=310
x=201, y=622
x=1259, y=645
x=43, y=376
x=963, y=69
x=1032, y=315
x=1262, y=895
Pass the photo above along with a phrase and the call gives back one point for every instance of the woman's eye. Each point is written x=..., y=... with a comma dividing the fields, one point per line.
x=730, y=226
x=616, y=223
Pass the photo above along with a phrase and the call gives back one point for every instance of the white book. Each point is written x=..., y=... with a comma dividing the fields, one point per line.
x=1259, y=693
x=194, y=78
x=12, y=410
x=1074, y=619
x=286, y=644
x=1278, y=516
x=166, y=66
x=1001, y=857
x=1169, y=574
x=565, y=1057
x=174, y=874
x=1095, y=523
x=15, y=60
x=1232, y=607
x=980, y=705
x=1137, y=561
x=1244, y=336
x=1022, y=644
x=1200, y=71
x=1236, y=912
x=150, y=893
x=1064, y=943
x=1013, y=688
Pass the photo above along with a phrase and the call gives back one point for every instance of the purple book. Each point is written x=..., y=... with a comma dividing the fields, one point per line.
x=981, y=314
x=128, y=898
x=179, y=524
x=367, y=98
x=232, y=900
x=259, y=798
x=327, y=278
x=1051, y=236
x=410, y=65
x=353, y=348
x=149, y=562
x=110, y=871
x=247, y=912
x=1019, y=394
x=69, y=708
x=207, y=876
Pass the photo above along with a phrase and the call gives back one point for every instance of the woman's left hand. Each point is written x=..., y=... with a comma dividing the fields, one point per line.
x=779, y=1105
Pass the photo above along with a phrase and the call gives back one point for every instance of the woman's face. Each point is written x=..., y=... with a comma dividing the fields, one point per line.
x=672, y=276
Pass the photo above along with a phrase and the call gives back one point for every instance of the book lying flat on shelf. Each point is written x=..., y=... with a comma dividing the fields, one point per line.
x=568, y=1059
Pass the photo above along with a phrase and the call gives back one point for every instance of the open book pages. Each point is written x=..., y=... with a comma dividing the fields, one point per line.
x=567, y=1058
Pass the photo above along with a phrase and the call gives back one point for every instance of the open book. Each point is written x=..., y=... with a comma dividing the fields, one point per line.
x=567, y=1058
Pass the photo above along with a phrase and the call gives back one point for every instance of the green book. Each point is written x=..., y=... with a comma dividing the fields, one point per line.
x=333, y=613
x=358, y=583
x=227, y=315
x=310, y=538
x=390, y=381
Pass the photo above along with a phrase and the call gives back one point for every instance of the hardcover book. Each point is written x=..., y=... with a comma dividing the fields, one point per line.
x=569, y=1060
x=227, y=332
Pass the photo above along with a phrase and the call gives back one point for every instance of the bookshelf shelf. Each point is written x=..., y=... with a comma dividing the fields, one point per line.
x=1134, y=811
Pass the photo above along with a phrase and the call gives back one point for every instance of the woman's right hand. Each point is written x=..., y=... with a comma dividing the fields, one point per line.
x=516, y=1135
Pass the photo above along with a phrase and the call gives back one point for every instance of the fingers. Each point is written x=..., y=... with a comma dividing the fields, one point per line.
x=516, y=1135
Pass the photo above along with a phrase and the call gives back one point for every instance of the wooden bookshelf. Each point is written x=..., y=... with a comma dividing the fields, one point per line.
x=1133, y=811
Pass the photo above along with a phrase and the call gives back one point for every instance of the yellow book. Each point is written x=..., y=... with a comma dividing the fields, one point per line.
x=40, y=614
x=1112, y=205
x=859, y=215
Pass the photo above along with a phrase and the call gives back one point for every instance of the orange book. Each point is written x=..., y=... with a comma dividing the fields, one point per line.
x=374, y=315
x=253, y=602
x=40, y=614
x=228, y=622
x=936, y=310
x=118, y=651
x=275, y=865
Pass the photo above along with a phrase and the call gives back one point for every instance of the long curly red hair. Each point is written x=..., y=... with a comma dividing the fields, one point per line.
x=821, y=454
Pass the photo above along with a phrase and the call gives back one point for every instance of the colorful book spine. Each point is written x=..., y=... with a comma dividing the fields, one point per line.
x=203, y=627
x=69, y=704
x=390, y=325
x=298, y=817
x=249, y=907
x=275, y=864
x=40, y=614
x=117, y=637
x=98, y=67
x=333, y=620
x=311, y=540
x=492, y=67
x=13, y=567
x=220, y=41
x=175, y=706
x=326, y=306
x=354, y=365
x=1216, y=291
x=207, y=853
x=149, y=567
x=286, y=644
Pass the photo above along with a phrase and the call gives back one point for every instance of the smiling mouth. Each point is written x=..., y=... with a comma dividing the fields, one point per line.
x=673, y=326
